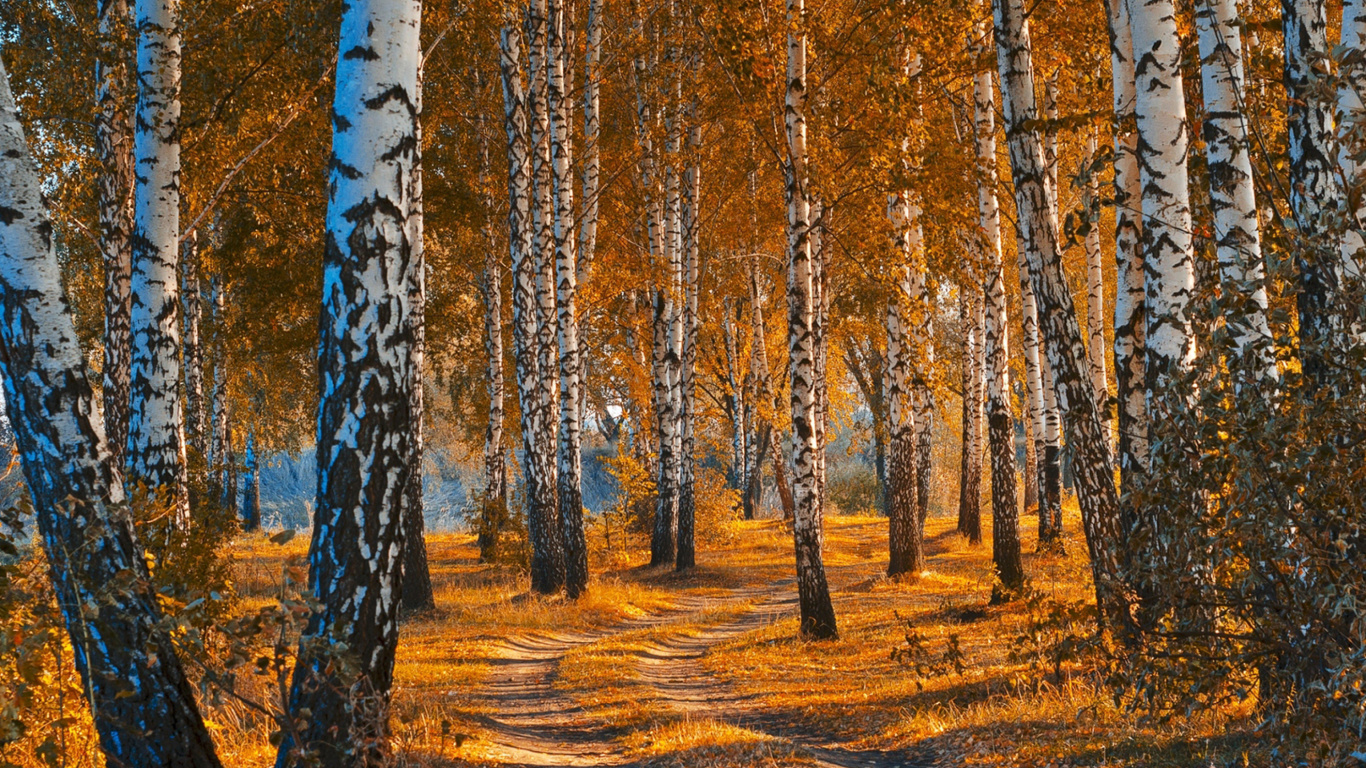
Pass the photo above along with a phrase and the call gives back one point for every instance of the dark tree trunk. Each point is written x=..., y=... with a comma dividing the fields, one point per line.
x=251, y=497
x=143, y=706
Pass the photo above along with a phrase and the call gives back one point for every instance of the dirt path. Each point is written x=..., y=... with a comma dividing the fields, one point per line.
x=673, y=667
x=537, y=725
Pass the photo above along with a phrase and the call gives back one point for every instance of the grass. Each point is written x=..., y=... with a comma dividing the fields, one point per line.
x=1001, y=710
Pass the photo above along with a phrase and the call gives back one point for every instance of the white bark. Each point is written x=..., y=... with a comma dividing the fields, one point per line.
x=1351, y=127
x=569, y=445
x=1130, y=315
x=1163, y=148
x=142, y=704
x=1232, y=194
x=365, y=445
x=1095, y=288
x=156, y=439
x=817, y=613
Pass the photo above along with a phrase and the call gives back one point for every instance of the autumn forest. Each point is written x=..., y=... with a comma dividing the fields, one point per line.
x=654, y=383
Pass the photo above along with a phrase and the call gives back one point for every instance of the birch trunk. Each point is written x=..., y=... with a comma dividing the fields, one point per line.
x=906, y=549
x=543, y=524
x=821, y=317
x=817, y=612
x=365, y=447
x=686, y=556
x=1233, y=197
x=1095, y=289
x=196, y=422
x=1005, y=512
x=1061, y=332
x=416, y=584
x=737, y=404
x=1050, y=457
x=1315, y=192
x=143, y=706
x=114, y=148
x=251, y=497
x=1350, y=129
x=970, y=471
x=1163, y=148
x=494, y=509
x=762, y=392
x=922, y=396
x=592, y=128
x=1034, y=384
x=663, y=543
x=156, y=439
x=1031, y=471
x=569, y=450
x=1130, y=314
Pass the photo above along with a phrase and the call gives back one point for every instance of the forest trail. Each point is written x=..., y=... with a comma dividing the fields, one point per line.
x=534, y=723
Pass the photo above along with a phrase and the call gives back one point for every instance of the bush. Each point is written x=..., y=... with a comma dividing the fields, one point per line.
x=1247, y=552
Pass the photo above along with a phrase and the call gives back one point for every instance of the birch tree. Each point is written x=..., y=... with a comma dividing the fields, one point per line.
x=1233, y=197
x=524, y=245
x=114, y=148
x=1315, y=191
x=1060, y=330
x=817, y=612
x=970, y=471
x=192, y=309
x=365, y=362
x=569, y=450
x=142, y=703
x=494, y=511
x=156, y=439
x=686, y=555
x=906, y=550
x=1005, y=514
x=1163, y=146
x=1095, y=287
x=1130, y=349
x=1049, y=454
x=416, y=592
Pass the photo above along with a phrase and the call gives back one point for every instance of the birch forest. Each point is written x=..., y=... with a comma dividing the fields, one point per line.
x=853, y=383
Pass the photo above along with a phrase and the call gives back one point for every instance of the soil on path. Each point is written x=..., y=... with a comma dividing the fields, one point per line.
x=536, y=724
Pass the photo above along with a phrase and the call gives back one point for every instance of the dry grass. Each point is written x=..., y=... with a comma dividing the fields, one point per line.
x=997, y=712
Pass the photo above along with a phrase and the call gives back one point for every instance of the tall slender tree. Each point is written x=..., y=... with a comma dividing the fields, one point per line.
x=192, y=309
x=686, y=555
x=905, y=540
x=494, y=511
x=1005, y=513
x=1315, y=191
x=569, y=450
x=1163, y=148
x=1237, y=232
x=416, y=593
x=142, y=704
x=1058, y=320
x=817, y=612
x=156, y=438
x=114, y=148
x=365, y=446
x=1131, y=449
x=1095, y=286
x=970, y=469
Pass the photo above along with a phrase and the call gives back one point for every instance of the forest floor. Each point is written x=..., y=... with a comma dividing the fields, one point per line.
x=654, y=668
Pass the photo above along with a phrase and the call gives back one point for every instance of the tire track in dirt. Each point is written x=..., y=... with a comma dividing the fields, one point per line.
x=534, y=724
x=674, y=668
